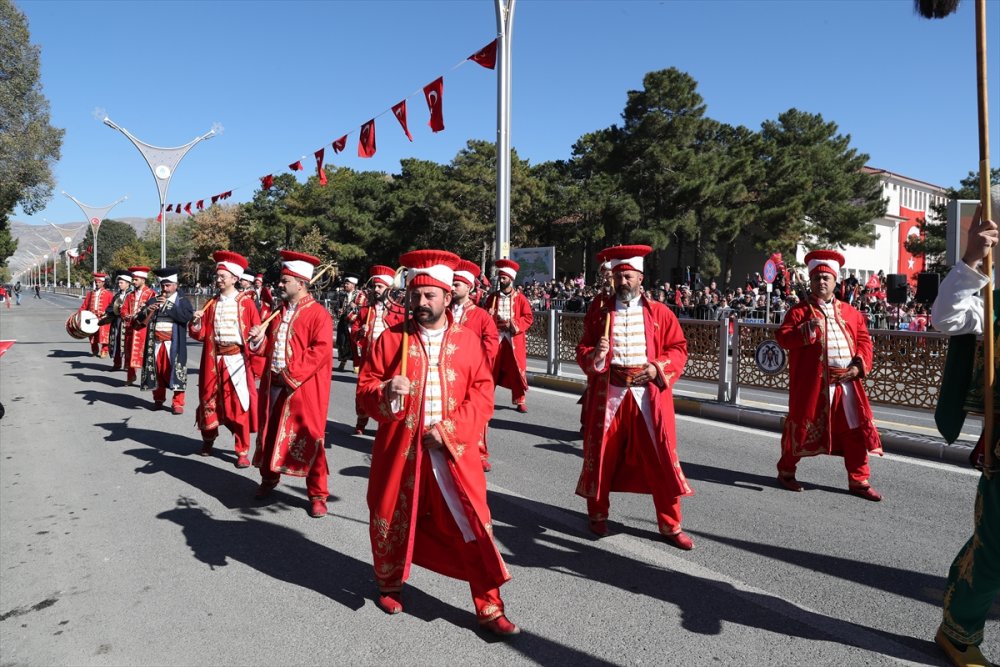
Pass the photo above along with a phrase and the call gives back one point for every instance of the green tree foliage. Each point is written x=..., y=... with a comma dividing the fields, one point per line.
x=132, y=254
x=111, y=237
x=814, y=190
x=29, y=145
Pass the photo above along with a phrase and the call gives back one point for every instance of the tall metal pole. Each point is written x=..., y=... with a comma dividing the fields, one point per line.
x=95, y=216
x=505, y=25
x=163, y=163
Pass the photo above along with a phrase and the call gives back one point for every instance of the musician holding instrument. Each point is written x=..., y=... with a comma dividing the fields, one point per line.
x=512, y=315
x=297, y=341
x=974, y=577
x=227, y=391
x=135, y=337
x=97, y=301
x=429, y=387
x=374, y=317
x=353, y=299
x=112, y=315
x=164, y=364
x=633, y=351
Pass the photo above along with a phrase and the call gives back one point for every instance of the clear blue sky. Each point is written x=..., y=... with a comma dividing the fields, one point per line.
x=286, y=78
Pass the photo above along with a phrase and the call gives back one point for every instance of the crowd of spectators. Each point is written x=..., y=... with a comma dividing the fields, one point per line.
x=747, y=302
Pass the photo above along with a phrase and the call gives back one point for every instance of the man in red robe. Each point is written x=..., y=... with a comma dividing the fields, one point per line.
x=97, y=301
x=830, y=352
x=227, y=392
x=374, y=317
x=135, y=337
x=427, y=385
x=295, y=389
x=466, y=314
x=512, y=315
x=633, y=351
x=264, y=301
x=113, y=316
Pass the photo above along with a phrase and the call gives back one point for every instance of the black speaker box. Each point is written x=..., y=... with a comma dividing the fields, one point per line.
x=927, y=286
x=895, y=288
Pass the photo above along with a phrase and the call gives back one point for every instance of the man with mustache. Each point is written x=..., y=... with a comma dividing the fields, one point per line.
x=373, y=318
x=97, y=302
x=135, y=336
x=295, y=389
x=633, y=351
x=428, y=386
x=164, y=363
x=513, y=317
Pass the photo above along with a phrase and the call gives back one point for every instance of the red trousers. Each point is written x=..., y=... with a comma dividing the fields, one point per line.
x=318, y=472
x=98, y=348
x=439, y=546
x=850, y=442
x=509, y=372
x=229, y=411
x=630, y=460
x=163, y=371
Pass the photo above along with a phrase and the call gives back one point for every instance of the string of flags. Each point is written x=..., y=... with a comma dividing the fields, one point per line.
x=433, y=93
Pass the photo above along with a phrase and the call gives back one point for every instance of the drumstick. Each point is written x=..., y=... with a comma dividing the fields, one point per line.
x=607, y=324
x=263, y=325
x=406, y=346
x=201, y=312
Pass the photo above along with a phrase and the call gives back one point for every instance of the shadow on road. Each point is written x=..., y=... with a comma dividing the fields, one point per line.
x=540, y=430
x=537, y=541
x=62, y=354
x=100, y=379
x=122, y=400
x=745, y=480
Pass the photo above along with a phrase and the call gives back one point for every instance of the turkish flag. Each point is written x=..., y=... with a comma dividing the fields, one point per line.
x=267, y=181
x=177, y=208
x=399, y=111
x=170, y=207
x=5, y=345
x=366, y=142
x=187, y=208
x=159, y=217
x=319, y=166
x=200, y=205
x=215, y=198
x=296, y=166
x=432, y=93
x=339, y=144
x=908, y=263
x=486, y=56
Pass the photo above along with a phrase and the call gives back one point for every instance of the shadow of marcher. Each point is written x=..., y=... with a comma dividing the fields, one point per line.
x=534, y=539
x=743, y=479
x=540, y=430
x=100, y=379
x=62, y=354
x=562, y=448
x=91, y=366
x=122, y=400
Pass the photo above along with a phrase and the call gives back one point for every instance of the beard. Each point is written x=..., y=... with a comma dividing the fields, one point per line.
x=625, y=294
x=425, y=315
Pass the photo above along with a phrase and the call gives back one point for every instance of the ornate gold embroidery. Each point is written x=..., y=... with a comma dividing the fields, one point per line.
x=410, y=421
x=450, y=374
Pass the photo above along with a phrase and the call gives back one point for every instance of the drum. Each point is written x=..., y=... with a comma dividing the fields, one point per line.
x=82, y=324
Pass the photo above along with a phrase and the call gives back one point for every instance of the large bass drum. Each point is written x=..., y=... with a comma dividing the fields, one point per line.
x=82, y=324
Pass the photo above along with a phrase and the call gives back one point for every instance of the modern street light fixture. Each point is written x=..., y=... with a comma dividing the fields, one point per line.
x=163, y=163
x=69, y=240
x=95, y=216
x=505, y=26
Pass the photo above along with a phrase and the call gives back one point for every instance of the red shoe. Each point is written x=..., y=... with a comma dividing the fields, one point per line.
x=679, y=540
x=789, y=483
x=866, y=492
x=600, y=528
x=391, y=603
x=486, y=466
x=522, y=408
x=242, y=461
x=501, y=627
x=206, y=448
x=178, y=409
x=318, y=508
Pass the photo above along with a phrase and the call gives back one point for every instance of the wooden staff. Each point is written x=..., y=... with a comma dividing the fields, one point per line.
x=263, y=325
x=201, y=311
x=607, y=324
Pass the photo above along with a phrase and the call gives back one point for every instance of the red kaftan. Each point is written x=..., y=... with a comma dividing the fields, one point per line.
x=511, y=362
x=135, y=338
x=97, y=301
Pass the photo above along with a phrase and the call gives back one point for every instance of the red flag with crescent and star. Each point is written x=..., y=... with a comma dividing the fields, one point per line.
x=267, y=181
x=366, y=141
x=399, y=111
x=339, y=144
x=296, y=166
x=320, y=173
x=908, y=263
x=432, y=93
x=486, y=56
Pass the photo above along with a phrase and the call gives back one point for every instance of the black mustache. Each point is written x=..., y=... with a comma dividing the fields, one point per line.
x=423, y=310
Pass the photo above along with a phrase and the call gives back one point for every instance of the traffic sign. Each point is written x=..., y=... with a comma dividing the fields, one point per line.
x=770, y=271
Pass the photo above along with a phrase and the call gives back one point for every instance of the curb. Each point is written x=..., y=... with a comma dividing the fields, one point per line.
x=896, y=442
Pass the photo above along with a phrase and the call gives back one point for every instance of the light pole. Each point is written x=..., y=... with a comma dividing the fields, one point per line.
x=505, y=26
x=69, y=240
x=163, y=163
x=95, y=216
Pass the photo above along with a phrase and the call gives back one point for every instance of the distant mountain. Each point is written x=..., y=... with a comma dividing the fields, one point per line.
x=36, y=238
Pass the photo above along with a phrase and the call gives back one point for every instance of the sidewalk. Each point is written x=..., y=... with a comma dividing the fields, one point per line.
x=694, y=399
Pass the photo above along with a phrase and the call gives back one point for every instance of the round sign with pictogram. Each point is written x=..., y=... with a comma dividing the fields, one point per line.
x=770, y=271
x=770, y=357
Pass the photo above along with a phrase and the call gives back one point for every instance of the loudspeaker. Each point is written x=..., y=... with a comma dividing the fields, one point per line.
x=927, y=287
x=895, y=288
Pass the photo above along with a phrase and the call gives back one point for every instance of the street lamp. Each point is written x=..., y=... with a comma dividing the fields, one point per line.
x=95, y=216
x=163, y=163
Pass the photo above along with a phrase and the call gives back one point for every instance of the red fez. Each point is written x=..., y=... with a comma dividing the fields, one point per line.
x=382, y=274
x=298, y=264
x=260, y=276
x=139, y=271
x=430, y=268
x=100, y=275
x=508, y=267
x=830, y=261
x=625, y=257
x=233, y=262
x=467, y=271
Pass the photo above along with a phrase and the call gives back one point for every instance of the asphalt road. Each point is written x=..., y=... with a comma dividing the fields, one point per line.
x=120, y=546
